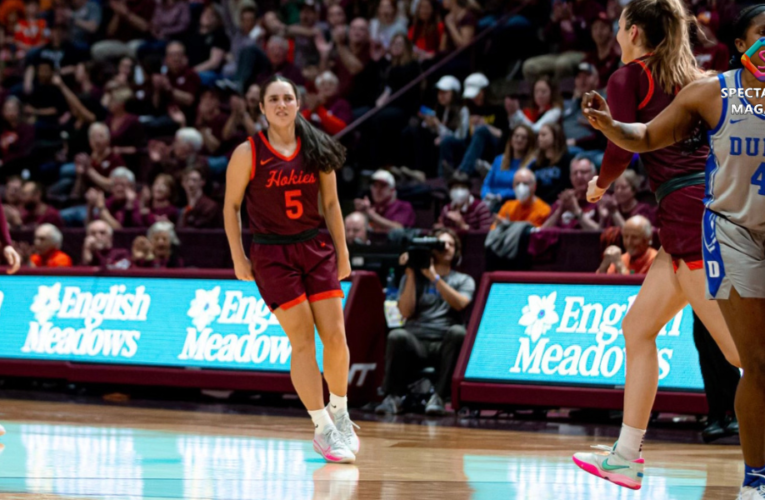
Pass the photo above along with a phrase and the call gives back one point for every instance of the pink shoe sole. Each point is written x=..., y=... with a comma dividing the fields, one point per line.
x=617, y=479
x=331, y=458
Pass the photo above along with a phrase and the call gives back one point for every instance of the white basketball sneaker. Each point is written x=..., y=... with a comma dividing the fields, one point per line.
x=748, y=493
x=345, y=427
x=330, y=444
x=611, y=467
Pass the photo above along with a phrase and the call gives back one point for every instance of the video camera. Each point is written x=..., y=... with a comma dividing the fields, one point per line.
x=420, y=250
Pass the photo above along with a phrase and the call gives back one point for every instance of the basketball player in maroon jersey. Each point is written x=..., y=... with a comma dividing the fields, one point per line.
x=653, y=35
x=13, y=259
x=281, y=172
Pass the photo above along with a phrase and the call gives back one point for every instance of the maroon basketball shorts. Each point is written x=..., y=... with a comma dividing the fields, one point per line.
x=680, y=218
x=288, y=274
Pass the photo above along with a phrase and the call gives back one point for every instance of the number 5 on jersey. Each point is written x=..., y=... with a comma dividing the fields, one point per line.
x=294, y=206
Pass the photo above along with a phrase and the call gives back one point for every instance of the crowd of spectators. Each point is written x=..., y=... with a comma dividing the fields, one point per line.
x=126, y=111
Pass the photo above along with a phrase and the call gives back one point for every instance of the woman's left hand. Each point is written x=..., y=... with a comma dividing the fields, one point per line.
x=343, y=267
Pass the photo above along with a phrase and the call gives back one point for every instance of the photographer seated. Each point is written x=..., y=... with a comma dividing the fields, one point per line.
x=432, y=296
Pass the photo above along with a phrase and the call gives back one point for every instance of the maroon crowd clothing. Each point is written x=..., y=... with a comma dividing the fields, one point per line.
x=567, y=219
x=714, y=58
x=169, y=212
x=475, y=214
x=396, y=211
x=129, y=132
x=635, y=95
x=286, y=69
x=578, y=38
x=204, y=214
x=216, y=126
x=187, y=80
x=287, y=250
x=125, y=31
x=49, y=216
x=644, y=209
x=126, y=217
x=105, y=167
x=5, y=235
x=606, y=66
x=111, y=258
x=16, y=143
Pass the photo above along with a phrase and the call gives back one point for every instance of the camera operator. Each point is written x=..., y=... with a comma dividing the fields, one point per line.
x=431, y=300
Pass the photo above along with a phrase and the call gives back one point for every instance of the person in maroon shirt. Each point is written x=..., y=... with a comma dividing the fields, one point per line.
x=607, y=55
x=326, y=109
x=98, y=248
x=129, y=26
x=156, y=205
x=35, y=211
x=180, y=86
x=568, y=29
x=16, y=137
x=12, y=257
x=711, y=54
x=572, y=210
x=94, y=170
x=623, y=205
x=121, y=209
x=211, y=122
x=200, y=212
x=658, y=64
x=281, y=173
x=465, y=212
x=128, y=137
x=277, y=49
x=385, y=211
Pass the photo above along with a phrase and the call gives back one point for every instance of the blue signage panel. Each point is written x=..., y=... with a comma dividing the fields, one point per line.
x=571, y=335
x=218, y=324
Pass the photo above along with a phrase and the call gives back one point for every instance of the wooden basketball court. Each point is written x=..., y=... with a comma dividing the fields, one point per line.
x=65, y=450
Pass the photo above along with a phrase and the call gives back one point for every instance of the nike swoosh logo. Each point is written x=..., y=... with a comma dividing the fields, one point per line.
x=333, y=406
x=736, y=121
x=609, y=467
x=263, y=162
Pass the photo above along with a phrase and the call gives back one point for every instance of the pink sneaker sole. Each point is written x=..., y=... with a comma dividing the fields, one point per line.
x=617, y=479
x=331, y=458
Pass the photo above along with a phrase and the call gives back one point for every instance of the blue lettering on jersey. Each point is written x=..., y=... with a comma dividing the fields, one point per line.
x=752, y=146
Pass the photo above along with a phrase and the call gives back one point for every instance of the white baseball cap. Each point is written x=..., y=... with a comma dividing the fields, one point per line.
x=384, y=176
x=474, y=84
x=449, y=82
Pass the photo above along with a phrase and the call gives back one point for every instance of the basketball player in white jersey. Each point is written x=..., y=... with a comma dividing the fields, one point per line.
x=734, y=223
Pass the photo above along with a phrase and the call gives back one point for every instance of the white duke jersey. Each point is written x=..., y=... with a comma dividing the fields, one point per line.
x=735, y=174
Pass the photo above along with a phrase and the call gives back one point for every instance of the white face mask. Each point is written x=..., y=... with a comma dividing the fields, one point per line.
x=522, y=192
x=459, y=195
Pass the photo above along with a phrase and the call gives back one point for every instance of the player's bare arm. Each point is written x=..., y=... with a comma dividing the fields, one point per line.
x=700, y=100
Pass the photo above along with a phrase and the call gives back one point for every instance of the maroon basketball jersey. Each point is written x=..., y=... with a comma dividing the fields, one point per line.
x=283, y=193
x=635, y=95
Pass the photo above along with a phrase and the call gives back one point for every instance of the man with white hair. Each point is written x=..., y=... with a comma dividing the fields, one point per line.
x=47, y=248
x=572, y=210
x=357, y=229
x=277, y=50
x=326, y=109
x=526, y=207
x=637, y=235
x=98, y=248
x=182, y=154
x=385, y=210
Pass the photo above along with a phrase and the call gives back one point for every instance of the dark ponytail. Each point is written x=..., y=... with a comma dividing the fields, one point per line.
x=320, y=151
x=740, y=28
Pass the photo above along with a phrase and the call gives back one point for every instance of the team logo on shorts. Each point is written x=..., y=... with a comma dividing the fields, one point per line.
x=758, y=50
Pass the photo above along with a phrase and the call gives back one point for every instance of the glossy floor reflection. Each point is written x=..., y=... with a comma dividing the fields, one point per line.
x=55, y=450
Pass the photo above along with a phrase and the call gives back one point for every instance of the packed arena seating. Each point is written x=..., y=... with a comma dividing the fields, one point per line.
x=127, y=112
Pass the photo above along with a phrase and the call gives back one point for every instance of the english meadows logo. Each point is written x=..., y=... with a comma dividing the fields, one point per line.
x=594, y=355
x=66, y=305
x=205, y=342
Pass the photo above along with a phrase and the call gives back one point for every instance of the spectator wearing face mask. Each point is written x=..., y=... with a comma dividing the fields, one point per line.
x=519, y=153
x=526, y=207
x=465, y=212
x=357, y=229
x=47, y=248
x=637, y=234
x=385, y=211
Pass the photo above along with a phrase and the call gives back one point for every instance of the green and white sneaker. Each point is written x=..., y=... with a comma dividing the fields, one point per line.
x=611, y=467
